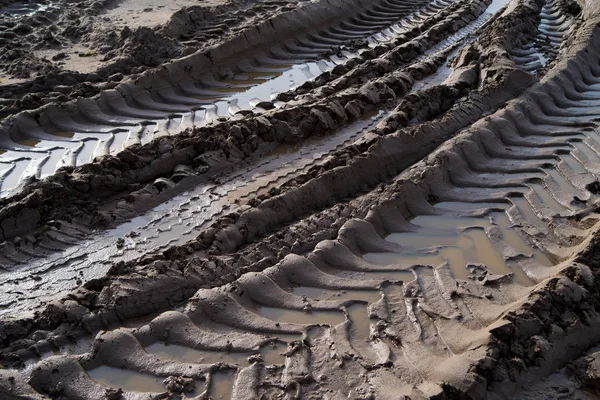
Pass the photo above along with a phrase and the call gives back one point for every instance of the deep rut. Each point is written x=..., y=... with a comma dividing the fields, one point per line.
x=417, y=293
x=37, y=270
x=38, y=143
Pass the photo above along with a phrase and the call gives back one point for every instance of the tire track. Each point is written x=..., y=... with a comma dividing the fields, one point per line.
x=470, y=230
x=56, y=272
x=118, y=118
x=555, y=26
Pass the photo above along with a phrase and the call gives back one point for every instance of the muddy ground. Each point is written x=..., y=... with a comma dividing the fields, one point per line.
x=326, y=199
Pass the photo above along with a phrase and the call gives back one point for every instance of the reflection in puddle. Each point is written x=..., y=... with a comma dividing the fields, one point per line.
x=127, y=380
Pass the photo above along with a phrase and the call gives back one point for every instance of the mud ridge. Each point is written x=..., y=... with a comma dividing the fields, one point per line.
x=467, y=271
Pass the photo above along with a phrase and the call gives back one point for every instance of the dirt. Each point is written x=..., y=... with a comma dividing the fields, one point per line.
x=284, y=200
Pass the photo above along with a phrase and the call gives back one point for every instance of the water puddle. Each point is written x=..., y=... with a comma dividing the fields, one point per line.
x=529, y=214
x=270, y=353
x=448, y=221
x=300, y=317
x=360, y=328
x=221, y=385
x=334, y=294
x=563, y=183
x=63, y=134
x=574, y=164
x=28, y=142
x=463, y=206
x=459, y=241
x=256, y=84
x=127, y=380
x=404, y=276
x=547, y=199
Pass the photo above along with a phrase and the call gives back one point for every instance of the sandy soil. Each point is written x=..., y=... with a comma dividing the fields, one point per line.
x=148, y=13
x=401, y=202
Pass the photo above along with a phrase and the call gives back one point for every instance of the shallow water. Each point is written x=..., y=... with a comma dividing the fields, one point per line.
x=301, y=317
x=221, y=385
x=270, y=353
x=459, y=241
x=127, y=380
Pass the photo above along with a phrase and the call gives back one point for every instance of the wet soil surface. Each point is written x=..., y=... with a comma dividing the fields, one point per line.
x=297, y=202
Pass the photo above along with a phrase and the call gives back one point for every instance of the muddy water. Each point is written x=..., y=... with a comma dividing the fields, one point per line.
x=270, y=353
x=155, y=235
x=547, y=198
x=334, y=294
x=221, y=385
x=127, y=380
x=404, y=276
x=529, y=214
x=357, y=312
x=243, y=92
x=564, y=184
x=300, y=317
x=224, y=97
x=458, y=241
x=360, y=327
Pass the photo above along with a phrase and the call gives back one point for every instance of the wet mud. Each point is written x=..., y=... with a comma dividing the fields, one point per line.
x=413, y=214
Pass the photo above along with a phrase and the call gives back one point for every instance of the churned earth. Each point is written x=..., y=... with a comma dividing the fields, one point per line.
x=323, y=199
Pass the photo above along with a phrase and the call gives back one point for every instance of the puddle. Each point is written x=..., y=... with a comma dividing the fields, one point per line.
x=547, y=198
x=258, y=79
x=448, y=221
x=486, y=254
x=271, y=354
x=404, y=276
x=333, y=294
x=221, y=385
x=563, y=183
x=28, y=142
x=127, y=380
x=360, y=322
x=462, y=206
x=300, y=317
x=574, y=164
x=64, y=134
x=459, y=241
x=419, y=240
x=528, y=214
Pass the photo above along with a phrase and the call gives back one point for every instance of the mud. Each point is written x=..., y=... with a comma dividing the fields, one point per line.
x=418, y=218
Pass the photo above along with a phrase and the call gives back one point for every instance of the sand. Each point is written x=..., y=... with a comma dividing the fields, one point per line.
x=397, y=202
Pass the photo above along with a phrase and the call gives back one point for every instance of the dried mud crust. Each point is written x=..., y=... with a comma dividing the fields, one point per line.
x=432, y=331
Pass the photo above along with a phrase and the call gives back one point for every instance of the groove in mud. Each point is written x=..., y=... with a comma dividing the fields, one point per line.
x=502, y=201
x=173, y=230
